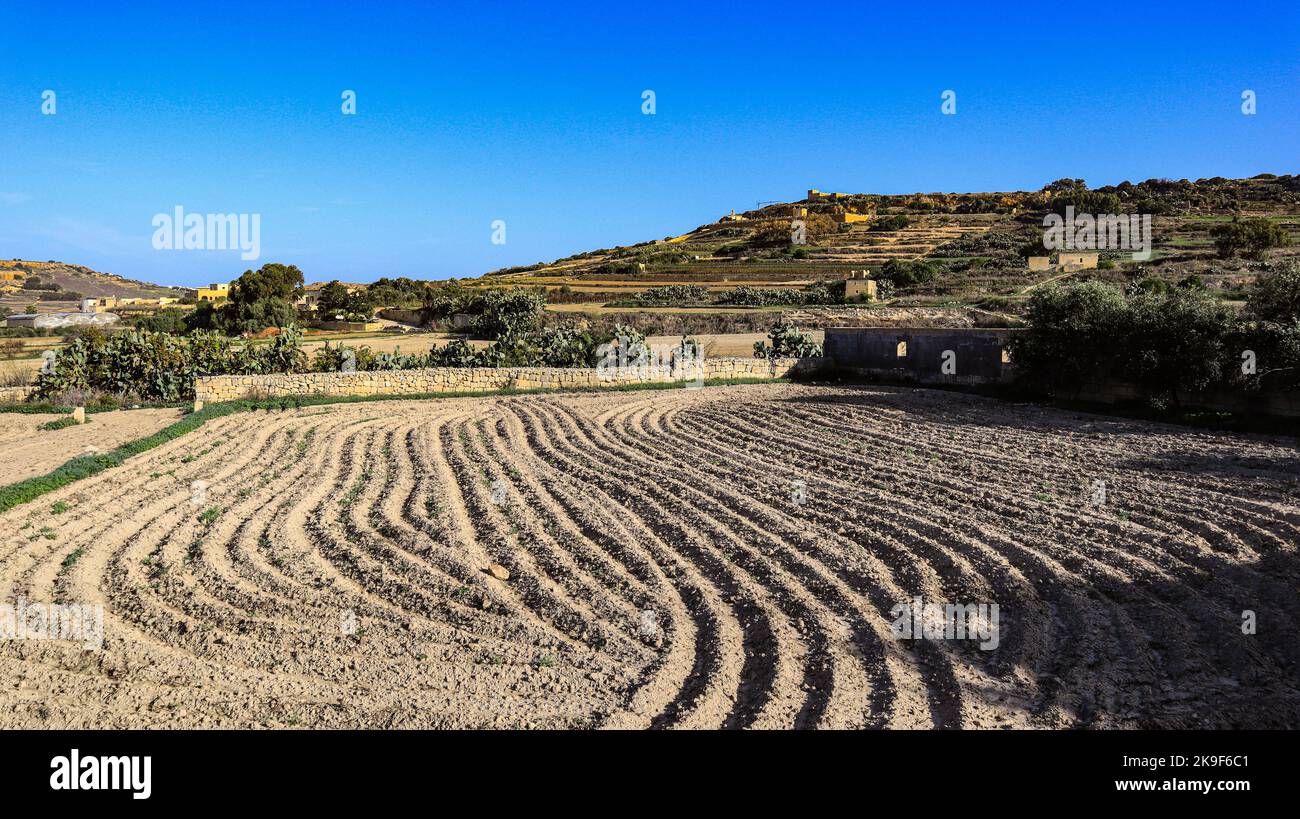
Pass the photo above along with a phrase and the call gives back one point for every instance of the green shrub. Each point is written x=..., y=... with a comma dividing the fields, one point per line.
x=903, y=273
x=1248, y=237
x=1169, y=343
x=566, y=347
x=818, y=293
x=1276, y=349
x=743, y=296
x=162, y=367
x=168, y=320
x=671, y=295
x=61, y=423
x=1175, y=344
x=1149, y=284
x=896, y=222
x=1074, y=335
x=507, y=313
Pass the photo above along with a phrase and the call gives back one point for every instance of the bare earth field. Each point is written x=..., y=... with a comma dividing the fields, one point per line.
x=26, y=451
x=341, y=578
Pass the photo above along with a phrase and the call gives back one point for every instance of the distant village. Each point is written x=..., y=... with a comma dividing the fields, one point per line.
x=110, y=310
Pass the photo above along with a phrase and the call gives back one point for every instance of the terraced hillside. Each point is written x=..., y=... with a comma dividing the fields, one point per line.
x=654, y=568
x=724, y=254
x=974, y=242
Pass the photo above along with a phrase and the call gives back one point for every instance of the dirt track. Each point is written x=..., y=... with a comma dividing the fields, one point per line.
x=766, y=613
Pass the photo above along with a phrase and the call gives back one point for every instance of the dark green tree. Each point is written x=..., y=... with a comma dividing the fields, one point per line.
x=333, y=300
x=1276, y=295
x=1176, y=344
x=261, y=298
x=1248, y=237
x=1075, y=334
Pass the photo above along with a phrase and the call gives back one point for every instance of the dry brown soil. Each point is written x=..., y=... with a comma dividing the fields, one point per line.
x=26, y=451
x=765, y=612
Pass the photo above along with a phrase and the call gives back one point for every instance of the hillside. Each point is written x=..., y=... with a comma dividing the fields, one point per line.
x=973, y=240
x=72, y=280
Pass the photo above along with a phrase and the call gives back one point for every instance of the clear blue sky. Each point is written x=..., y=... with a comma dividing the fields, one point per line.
x=531, y=113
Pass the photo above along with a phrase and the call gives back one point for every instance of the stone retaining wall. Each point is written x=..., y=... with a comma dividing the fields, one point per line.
x=403, y=316
x=216, y=388
x=14, y=395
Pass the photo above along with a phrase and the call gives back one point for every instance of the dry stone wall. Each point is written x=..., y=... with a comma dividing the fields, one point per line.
x=14, y=395
x=211, y=389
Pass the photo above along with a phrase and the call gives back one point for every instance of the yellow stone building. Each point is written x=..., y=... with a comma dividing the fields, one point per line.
x=863, y=287
x=815, y=195
x=849, y=218
x=215, y=292
x=1077, y=261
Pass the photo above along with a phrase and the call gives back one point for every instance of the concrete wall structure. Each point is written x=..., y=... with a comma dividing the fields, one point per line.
x=1278, y=403
x=210, y=389
x=349, y=326
x=402, y=315
x=978, y=356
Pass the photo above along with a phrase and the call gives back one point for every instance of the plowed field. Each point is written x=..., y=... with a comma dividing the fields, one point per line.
x=726, y=557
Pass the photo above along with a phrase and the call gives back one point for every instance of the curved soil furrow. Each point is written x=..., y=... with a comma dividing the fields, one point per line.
x=923, y=556
x=569, y=621
x=707, y=691
x=805, y=663
x=850, y=582
x=583, y=580
x=1070, y=546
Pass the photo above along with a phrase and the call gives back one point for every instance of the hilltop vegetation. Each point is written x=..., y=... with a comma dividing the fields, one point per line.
x=936, y=249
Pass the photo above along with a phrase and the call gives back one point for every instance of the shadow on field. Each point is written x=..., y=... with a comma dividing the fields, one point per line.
x=1139, y=621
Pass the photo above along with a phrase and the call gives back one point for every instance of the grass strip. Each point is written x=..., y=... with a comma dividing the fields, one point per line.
x=61, y=423
x=46, y=408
